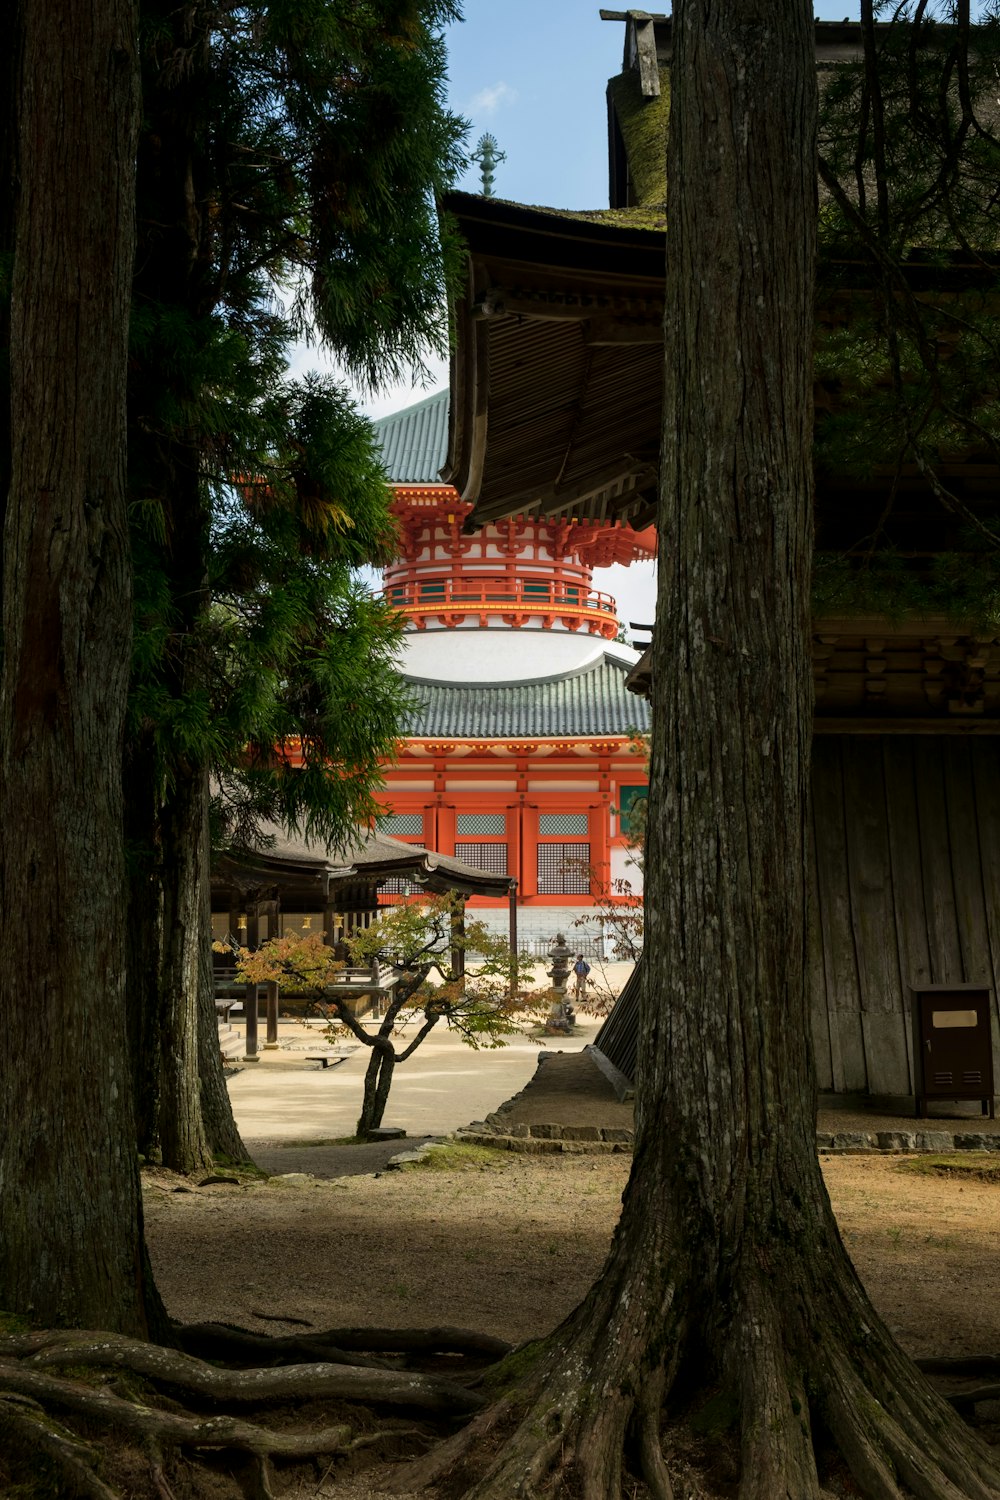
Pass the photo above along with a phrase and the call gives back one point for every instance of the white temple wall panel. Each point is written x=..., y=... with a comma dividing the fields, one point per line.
x=452, y=784
x=624, y=867
x=583, y=784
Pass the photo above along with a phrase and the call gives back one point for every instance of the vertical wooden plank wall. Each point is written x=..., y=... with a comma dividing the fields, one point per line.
x=845, y=1041
x=907, y=891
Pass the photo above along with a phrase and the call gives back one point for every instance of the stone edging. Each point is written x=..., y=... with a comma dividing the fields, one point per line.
x=906, y=1141
x=605, y=1140
x=542, y=1145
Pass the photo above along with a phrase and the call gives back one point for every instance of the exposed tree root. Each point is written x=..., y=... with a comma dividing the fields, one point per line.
x=962, y=1400
x=336, y=1345
x=579, y=1415
x=307, y=1382
x=24, y=1418
x=447, y=1456
x=568, y=1417
x=797, y=1372
x=31, y=1391
x=241, y=1346
x=157, y=1472
x=962, y=1364
x=419, y=1341
x=777, y=1458
x=145, y=1422
x=650, y=1452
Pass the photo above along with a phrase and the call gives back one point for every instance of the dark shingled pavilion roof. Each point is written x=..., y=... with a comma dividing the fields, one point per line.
x=592, y=700
x=305, y=869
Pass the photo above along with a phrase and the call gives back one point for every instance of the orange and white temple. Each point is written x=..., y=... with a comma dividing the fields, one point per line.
x=521, y=758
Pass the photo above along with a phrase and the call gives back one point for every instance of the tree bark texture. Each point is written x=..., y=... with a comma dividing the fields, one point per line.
x=726, y=1277
x=221, y=1132
x=175, y=283
x=187, y=936
x=70, y=1225
x=10, y=67
x=378, y=1081
x=143, y=933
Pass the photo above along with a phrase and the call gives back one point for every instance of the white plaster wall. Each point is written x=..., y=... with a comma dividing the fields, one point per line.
x=569, y=785
x=459, y=784
x=541, y=923
x=537, y=927
x=489, y=656
x=623, y=867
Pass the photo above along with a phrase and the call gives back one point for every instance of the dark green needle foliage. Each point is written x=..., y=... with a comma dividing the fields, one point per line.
x=289, y=166
x=288, y=171
x=909, y=303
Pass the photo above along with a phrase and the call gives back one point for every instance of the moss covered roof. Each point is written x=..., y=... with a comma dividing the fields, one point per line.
x=643, y=125
x=650, y=217
x=641, y=216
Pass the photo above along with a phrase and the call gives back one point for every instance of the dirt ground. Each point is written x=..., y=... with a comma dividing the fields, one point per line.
x=510, y=1249
x=509, y=1246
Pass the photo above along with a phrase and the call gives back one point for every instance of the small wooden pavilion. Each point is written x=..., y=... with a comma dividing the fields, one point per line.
x=291, y=885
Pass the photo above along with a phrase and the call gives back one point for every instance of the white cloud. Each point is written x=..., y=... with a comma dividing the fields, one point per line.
x=489, y=100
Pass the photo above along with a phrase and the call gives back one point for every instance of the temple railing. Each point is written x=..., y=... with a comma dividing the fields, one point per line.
x=514, y=600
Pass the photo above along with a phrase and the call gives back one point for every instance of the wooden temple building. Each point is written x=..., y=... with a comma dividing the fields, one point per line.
x=520, y=756
x=555, y=420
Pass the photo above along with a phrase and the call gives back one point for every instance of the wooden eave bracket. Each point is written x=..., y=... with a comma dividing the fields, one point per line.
x=490, y=304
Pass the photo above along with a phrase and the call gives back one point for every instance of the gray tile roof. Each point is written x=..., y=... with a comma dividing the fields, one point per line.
x=592, y=701
x=415, y=441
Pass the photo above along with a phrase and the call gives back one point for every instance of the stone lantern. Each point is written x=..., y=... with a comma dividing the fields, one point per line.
x=559, y=1018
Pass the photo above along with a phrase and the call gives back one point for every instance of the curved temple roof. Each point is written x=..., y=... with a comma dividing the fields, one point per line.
x=415, y=441
x=593, y=700
x=300, y=866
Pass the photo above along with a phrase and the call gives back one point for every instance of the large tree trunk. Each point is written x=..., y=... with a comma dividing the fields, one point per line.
x=70, y=1241
x=178, y=1059
x=143, y=934
x=221, y=1134
x=223, y=1137
x=187, y=935
x=9, y=70
x=727, y=1277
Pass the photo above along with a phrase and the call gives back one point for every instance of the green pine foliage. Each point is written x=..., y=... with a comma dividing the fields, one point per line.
x=909, y=329
x=289, y=167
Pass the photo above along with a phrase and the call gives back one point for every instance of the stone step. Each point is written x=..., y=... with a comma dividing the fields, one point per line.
x=231, y=1043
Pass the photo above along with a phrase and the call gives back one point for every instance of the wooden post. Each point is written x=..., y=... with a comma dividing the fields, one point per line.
x=458, y=940
x=272, y=1013
x=512, y=898
x=250, y=1016
x=250, y=993
x=235, y=907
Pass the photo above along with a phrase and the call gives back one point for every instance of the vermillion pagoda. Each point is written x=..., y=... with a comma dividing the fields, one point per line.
x=521, y=758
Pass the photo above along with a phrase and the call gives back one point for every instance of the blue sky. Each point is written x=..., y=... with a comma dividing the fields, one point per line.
x=533, y=73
